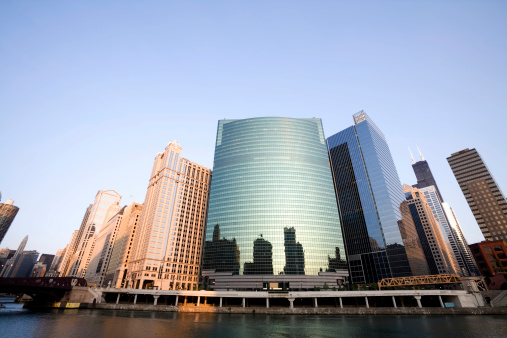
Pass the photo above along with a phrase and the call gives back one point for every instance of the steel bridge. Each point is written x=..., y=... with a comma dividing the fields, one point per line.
x=41, y=288
x=419, y=280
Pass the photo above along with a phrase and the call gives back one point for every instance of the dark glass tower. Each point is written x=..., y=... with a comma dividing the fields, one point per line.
x=369, y=195
x=424, y=175
x=272, y=214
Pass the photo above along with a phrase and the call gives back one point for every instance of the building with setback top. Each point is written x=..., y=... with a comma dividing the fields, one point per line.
x=369, y=195
x=167, y=249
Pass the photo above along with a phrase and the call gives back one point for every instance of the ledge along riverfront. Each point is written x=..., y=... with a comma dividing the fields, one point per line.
x=304, y=302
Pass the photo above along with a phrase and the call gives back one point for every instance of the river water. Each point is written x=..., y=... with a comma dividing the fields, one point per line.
x=18, y=322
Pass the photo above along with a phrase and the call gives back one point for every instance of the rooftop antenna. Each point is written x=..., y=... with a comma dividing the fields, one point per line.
x=420, y=154
x=411, y=156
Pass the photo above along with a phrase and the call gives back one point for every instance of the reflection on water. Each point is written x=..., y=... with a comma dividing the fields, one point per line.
x=18, y=322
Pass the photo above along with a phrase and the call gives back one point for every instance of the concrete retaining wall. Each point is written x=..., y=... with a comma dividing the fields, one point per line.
x=303, y=311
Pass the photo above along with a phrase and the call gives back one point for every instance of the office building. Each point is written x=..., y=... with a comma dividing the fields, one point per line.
x=7, y=213
x=103, y=247
x=168, y=247
x=273, y=220
x=413, y=247
x=438, y=252
x=483, y=195
x=369, y=195
x=23, y=264
x=68, y=253
x=445, y=217
x=491, y=257
x=116, y=274
x=42, y=266
x=450, y=237
x=52, y=270
x=95, y=217
x=424, y=175
x=5, y=255
x=462, y=252
x=6, y=271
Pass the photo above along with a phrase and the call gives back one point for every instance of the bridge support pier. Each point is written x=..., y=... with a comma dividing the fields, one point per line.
x=118, y=299
x=341, y=302
x=135, y=299
x=394, y=302
x=441, y=302
x=155, y=300
x=418, y=299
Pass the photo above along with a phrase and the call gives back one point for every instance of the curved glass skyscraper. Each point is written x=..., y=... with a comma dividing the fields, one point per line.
x=273, y=208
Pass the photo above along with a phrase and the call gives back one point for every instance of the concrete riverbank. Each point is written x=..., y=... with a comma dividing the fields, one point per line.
x=302, y=311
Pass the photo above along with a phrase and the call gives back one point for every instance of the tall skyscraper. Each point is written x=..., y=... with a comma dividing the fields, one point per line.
x=465, y=260
x=103, y=247
x=435, y=204
x=438, y=252
x=24, y=264
x=424, y=175
x=95, y=217
x=12, y=261
x=483, y=195
x=7, y=213
x=52, y=270
x=68, y=253
x=369, y=196
x=412, y=242
x=42, y=266
x=273, y=219
x=453, y=234
x=168, y=247
x=123, y=246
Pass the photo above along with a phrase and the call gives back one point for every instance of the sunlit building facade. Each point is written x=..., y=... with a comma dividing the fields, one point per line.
x=95, y=217
x=273, y=220
x=167, y=249
x=437, y=250
x=123, y=246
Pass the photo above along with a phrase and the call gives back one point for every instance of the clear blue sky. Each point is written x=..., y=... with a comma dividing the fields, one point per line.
x=90, y=91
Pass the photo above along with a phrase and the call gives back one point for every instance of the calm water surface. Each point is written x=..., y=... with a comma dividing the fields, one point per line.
x=18, y=322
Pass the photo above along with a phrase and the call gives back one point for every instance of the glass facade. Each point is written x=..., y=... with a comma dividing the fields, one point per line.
x=272, y=208
x=369, y=196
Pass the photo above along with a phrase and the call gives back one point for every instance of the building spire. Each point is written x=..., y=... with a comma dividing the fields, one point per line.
x=411, y=156
x=420, y=154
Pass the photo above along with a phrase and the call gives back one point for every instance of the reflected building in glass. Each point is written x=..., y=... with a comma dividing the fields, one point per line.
x=369, y=195
x=273, y=219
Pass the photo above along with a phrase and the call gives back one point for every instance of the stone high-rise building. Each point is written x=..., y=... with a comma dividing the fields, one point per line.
x=95, y=217
x=103, y=247
x=123, y=246
x=167, y=249
x=437, y=250
x=483, y=195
